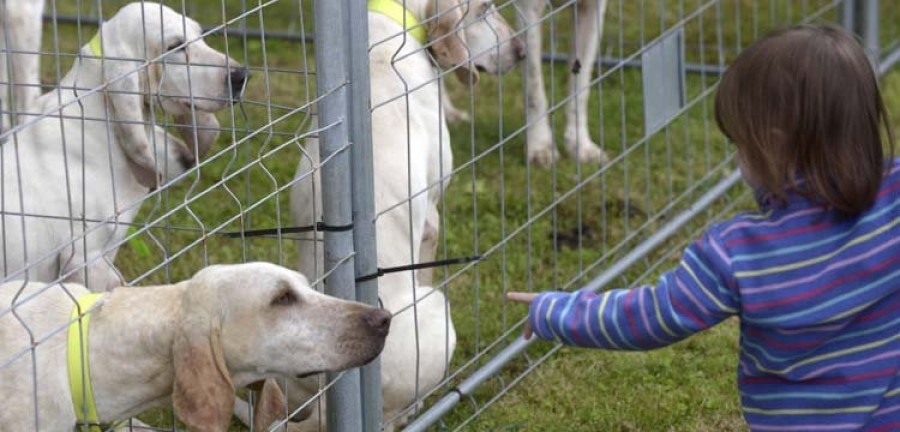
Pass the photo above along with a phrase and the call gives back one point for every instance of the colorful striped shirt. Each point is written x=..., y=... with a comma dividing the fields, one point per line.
x=818, y=298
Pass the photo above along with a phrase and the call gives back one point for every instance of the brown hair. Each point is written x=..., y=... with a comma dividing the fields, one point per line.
x=804, y=103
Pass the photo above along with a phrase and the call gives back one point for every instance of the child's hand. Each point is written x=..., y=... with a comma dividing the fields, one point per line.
x=526, y=298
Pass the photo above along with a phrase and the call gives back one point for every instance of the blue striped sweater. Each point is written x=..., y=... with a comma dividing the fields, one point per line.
x=818, y=298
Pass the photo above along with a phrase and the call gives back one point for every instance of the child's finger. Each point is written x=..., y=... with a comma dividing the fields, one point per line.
x=521, y=297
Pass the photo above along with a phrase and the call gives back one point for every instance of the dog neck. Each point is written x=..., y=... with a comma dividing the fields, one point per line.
x=132, y=370
x=418, y=8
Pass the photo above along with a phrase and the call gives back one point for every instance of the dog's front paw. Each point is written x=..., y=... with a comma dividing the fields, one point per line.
x=586, y=152
x=541, y=150
x=542, y=156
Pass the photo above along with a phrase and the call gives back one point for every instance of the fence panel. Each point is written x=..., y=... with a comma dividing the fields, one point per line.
x=72, y=209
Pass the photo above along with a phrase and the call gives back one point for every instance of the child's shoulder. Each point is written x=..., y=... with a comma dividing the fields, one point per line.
x=890, y=186
x=894, y=170
x=739, y=222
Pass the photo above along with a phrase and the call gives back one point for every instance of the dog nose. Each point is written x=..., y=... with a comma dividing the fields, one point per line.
x=379, y=320
x=238, y=79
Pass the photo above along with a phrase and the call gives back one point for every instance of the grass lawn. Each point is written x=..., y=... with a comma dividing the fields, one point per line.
x=538, y=228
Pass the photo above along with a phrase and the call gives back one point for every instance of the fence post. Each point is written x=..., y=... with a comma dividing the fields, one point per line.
x=848, y=16
x=342, y=399
x=364, y=241
x=869, y=28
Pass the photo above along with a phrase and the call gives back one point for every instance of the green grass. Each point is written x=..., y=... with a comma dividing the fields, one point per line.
x=550, y=242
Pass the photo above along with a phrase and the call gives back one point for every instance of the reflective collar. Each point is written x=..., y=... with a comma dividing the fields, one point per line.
x=95, y=45
x=401, y=15
x=79, y=368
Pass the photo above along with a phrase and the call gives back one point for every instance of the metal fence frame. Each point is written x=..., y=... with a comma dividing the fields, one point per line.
x=344, y=115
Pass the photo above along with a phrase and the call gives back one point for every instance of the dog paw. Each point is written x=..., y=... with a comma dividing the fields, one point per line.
x=542, y=156
x=585, y=151
x=456, y=115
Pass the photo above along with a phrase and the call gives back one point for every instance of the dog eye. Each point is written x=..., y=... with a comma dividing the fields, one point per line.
x=176, y=45
x=285, y=298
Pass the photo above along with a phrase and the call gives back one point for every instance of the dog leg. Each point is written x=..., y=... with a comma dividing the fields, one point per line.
x=541, y=151
x=23, y=26
x=581, y=66
x=451, y=112
x=429, y=244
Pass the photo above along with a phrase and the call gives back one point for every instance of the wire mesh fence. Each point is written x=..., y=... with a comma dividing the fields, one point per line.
x=425, y=155
x=155, y=138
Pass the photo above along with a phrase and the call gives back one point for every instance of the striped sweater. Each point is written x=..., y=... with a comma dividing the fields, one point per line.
x=818, y=298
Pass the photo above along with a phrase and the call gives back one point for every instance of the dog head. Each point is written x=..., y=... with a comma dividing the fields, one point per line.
x=473, y=35
x=260, y=320
x=152, y=56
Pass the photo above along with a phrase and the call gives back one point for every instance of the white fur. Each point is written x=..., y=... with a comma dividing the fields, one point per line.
x=141, y=338
x=411, y=154
x=74, y=172
x=20, y=38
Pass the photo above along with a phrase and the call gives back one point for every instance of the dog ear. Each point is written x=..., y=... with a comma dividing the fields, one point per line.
x=125, y=103
x=449, y=42
x=203, y=396
x=270, y=406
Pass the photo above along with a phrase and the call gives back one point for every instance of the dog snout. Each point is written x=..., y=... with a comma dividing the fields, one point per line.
x=378, y=321
x=238, y=78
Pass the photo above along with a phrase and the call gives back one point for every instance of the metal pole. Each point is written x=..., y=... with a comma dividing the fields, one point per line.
x=342, y=399
x=492, y=367
x=848, y=15
x=869, y=30
x=362, y=163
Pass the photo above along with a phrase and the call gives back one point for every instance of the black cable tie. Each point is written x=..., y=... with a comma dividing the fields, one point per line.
x=319, y=227
x=439, y=263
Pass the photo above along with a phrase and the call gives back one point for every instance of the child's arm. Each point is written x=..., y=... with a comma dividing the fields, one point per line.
x=694, y=296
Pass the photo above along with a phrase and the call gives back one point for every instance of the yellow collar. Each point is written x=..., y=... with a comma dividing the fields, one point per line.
x=395, y=11
x=95, y=45
x=79, y=369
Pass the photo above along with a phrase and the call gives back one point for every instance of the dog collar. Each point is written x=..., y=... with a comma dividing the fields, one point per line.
x=96, y=46
x=79, y=368
x=402, y=16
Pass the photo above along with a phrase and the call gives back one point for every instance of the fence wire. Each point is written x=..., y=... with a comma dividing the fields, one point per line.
x=514, y=145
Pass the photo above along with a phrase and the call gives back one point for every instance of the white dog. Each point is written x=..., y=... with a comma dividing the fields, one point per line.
x=20, y=45
x=190, y=344
x=62, y=176
x=583, y=55
x=411, y=155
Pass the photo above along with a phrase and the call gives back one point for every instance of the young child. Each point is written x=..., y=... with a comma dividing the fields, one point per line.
x=814, y=275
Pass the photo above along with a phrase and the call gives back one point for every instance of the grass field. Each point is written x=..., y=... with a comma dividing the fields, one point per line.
x=534, y=233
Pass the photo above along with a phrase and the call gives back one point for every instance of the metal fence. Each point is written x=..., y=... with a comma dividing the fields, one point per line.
x=389, y=205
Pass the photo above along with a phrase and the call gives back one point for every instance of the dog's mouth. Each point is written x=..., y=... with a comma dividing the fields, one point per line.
x=309, y=374
x=203, y=105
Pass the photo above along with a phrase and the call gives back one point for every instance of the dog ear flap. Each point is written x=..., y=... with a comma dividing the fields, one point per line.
x=449, y=46
x=203, y=395
x=125, y=102
x=270, y=406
